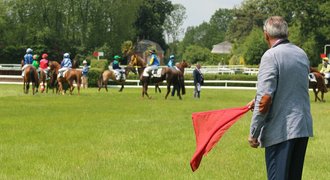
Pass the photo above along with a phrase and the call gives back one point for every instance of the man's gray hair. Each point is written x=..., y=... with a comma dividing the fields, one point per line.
x=276, y=27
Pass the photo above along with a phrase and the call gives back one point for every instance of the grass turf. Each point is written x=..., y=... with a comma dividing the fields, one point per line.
x=112, y=135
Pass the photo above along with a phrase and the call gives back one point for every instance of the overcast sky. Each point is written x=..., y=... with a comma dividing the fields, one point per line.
x=201, y=10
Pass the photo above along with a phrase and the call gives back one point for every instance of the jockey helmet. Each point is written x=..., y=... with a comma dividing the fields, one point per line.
x=66, y=55
x=325, y=59
x=29, y=50
x=84, y=62
x=44, y=56
x=152, y=51
x=172, y=56
x=35, y=57
x=116, y=57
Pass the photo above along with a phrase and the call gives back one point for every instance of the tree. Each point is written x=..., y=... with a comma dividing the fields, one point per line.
x=174, y=21
x=254, y=46
x=150, y=20
x=195, y=53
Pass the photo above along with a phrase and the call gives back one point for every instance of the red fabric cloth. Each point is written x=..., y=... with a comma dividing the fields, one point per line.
x=209, y=127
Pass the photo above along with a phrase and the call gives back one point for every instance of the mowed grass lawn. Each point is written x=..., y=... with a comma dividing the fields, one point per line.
x=112, y=135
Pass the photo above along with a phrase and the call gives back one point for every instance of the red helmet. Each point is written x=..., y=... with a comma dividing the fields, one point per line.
x=44, y=56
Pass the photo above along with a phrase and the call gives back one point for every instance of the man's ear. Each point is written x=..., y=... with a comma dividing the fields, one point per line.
x=267, y=38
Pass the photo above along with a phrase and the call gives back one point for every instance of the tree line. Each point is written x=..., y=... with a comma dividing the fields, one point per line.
x=243, y=26
x=83, y=26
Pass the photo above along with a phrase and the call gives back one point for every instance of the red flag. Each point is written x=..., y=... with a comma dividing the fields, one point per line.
x=96, y=54
x=209, y=127
x=323, y=56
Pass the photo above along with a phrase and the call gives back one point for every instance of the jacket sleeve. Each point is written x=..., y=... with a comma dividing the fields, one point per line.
x=267, y=84
x=151, y=60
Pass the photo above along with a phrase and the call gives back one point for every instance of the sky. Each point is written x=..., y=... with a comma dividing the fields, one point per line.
x=198, y=11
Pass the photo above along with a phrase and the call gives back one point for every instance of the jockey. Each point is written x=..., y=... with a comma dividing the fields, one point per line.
x=65, y=64
x=27, y=59
x=119, y=72
x=44, y=64
x=153, y=63
x=35, y=61
x=171, y=61
x=326, y=69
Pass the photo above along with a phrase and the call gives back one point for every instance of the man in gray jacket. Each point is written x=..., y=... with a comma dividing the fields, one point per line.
x=281, y=119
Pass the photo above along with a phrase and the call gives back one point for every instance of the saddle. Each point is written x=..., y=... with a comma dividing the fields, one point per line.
x=156, y=73
x=62, y=74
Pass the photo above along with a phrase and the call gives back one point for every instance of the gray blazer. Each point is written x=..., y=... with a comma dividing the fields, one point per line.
x=282, y=105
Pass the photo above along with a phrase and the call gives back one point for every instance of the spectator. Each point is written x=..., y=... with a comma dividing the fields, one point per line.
x=85, y=74
x=198, y=80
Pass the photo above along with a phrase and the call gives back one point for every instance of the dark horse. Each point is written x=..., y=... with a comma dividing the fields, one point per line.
x=137, y=62
x=175, y=77
x=30, y=75
x=319, y=85
x=110, y=74
x=172, y=77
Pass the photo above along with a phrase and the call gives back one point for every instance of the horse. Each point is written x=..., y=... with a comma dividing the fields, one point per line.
x=68, y=77
x=30, y=75
x=175, y=77
x=319, y=85
x=42, y=80
x=137, y=62
x=110, y=74
x=58, y=82
x=54, y=66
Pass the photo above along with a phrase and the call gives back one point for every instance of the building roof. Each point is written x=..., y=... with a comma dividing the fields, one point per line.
x=222, y=48
x=144, y=45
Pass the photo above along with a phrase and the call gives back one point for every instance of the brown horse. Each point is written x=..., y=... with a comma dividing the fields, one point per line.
x=70, y=76
x=319, y=85
x=58, y=82
x=110, y=74
x=42, y=80
x=30, y=75
x=54, y=66
x=175, y=77
x=137, y=62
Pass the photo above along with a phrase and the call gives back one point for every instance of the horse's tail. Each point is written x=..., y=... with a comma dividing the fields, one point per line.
x=34, y=77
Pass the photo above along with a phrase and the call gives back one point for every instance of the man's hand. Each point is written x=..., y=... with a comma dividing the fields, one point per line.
x=251, y=104
x=253, y=142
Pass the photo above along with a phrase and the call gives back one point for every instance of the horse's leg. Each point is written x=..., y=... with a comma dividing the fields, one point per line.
x=71, y=86
x=146, y=91
x=178, y=90
x=168, y=89
x=106, y=85
x=122, y=87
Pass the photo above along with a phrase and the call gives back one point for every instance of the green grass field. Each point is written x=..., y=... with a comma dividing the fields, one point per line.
x=112, y=135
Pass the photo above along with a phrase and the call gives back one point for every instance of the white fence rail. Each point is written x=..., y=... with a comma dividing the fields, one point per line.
x=220, y=69
x=226, y=84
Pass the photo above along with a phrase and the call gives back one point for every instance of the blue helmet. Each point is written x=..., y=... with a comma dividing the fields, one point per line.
x=29, y=50
x=172, y=56
x=66, y=55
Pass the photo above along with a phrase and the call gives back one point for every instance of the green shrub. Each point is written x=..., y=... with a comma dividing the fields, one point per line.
x=93, y=76
x=100, y=64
